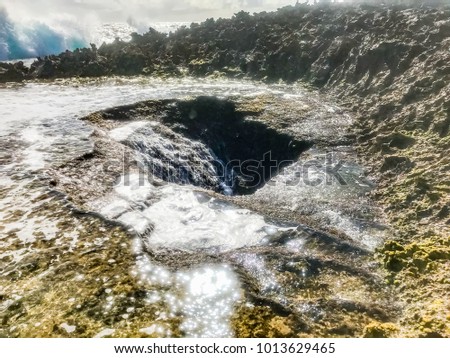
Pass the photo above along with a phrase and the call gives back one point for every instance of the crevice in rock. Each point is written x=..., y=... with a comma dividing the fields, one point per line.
x=250, y=149
x=245, y=153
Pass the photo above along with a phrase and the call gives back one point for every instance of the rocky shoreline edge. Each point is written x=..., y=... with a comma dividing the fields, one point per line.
x=389, y=65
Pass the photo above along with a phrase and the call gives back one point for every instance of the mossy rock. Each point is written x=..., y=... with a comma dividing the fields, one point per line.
x=262, y=322
x=395, y=264
x=379, y=330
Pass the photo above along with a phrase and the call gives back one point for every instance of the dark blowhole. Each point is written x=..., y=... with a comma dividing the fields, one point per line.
x=249, y=152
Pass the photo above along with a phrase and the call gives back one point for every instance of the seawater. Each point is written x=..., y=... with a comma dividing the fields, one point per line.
x=41, y=129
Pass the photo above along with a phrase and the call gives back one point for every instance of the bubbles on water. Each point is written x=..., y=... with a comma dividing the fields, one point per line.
x=256, y=266
x=295, y=245
x=153, y=274
x=208, y=302
x=204, y=297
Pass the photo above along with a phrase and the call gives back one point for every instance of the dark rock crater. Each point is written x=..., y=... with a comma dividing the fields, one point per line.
x=245, y=153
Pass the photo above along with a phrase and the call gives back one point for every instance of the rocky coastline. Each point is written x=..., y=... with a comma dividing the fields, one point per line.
x=388, y=65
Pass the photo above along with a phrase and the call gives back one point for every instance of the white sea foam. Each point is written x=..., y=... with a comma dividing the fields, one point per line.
x=183, y=218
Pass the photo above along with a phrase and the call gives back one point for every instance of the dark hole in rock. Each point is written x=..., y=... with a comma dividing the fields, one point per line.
x=246, y=152
x=252, y=150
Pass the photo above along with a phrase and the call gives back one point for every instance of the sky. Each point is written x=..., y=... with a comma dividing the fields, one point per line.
x=138, y=10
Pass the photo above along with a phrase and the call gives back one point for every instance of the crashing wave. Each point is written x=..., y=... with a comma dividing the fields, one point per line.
x=30, y=40
x=19, y=41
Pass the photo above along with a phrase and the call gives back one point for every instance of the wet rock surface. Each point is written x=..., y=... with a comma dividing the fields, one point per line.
x=216, y=131
x=389, y=65
x=294, y=279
